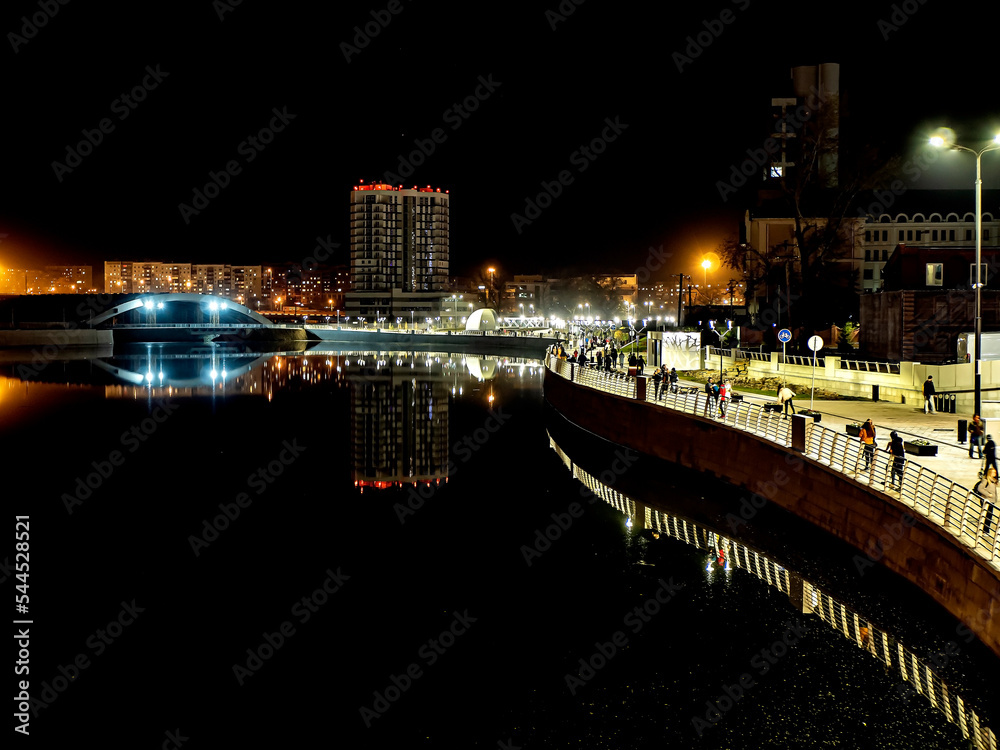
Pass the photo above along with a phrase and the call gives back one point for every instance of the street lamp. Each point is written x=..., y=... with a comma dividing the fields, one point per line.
x=945, y=139
x=706, y=264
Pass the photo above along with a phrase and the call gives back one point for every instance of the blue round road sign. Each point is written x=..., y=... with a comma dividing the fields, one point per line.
x=784, y=335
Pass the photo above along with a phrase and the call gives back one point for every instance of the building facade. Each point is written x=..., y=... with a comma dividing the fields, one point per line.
x=400, y=251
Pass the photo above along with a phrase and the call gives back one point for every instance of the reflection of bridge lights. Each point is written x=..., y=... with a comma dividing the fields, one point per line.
x=214, y=374
x=628, y=524
x=149, y=377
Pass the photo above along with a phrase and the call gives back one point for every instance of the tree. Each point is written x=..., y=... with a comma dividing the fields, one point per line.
x=818, y=191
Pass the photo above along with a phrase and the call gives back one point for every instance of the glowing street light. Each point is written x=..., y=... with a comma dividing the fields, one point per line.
x=945, y=138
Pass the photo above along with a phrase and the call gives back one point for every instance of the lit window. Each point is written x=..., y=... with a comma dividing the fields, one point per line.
x=935, y=274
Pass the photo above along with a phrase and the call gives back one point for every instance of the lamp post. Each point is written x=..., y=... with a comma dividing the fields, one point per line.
x=706, y=264
x=945, y=139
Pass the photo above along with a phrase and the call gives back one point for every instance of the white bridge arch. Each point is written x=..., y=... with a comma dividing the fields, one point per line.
x=187, y=297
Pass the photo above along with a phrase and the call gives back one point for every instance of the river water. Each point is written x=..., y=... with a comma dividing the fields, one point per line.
x=351, y=548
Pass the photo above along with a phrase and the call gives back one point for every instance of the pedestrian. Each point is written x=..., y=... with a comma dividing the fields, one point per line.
x=641, y=364
x=785, y=396
x=599, y=356
x=723, y=397
x=867, y=435
x=986, y=491
x=673, y=380
x=990, y=451
x=657, y=383
x=709, y=398
x=631, y=360
x=621, y=358
x=976, y=431
x=898, y=459
x=929, y=394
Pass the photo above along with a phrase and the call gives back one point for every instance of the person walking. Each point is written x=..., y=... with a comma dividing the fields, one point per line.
x=785, y=396
x=640, y=362
x=709, y=398
x=673, y=380
x=990, y=453
x=621, y=358
x=976, y=431
x=898, y=459
x=986, y=491
x=929, y=395
x=867, y=435
x=657, y=383
x=599, y=356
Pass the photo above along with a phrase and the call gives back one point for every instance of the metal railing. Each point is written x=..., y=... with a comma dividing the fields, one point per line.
x=758, y=356
x=856, y=365
x=955, y=509
x=801, y=359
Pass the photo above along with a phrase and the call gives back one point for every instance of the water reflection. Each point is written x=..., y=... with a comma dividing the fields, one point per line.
x=724, y=553
x=399, y=400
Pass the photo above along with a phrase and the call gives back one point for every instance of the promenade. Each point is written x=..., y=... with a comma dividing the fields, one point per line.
x=952, y=459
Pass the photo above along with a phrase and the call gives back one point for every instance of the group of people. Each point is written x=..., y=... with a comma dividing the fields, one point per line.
x=718, y=397
x=867, y=434
x=663, y=380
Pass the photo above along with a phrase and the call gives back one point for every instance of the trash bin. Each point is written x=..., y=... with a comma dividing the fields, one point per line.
x=952, y=402
x=963, y=430
x=874, y=393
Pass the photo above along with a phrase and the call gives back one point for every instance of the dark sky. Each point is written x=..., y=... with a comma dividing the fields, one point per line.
x=553, y=91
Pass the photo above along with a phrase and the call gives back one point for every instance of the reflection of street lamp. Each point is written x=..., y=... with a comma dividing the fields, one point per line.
x=945, y=139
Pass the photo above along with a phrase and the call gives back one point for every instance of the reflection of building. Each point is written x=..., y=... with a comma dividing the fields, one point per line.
x=725, y=554
x=399, y=422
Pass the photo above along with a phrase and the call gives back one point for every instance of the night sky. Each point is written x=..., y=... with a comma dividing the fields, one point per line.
x=545, y=82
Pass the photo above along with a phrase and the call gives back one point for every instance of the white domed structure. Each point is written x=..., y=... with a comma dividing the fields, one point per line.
x=483, y=319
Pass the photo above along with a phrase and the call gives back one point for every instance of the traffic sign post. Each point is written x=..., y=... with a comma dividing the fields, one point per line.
x=784, y=336
x=815, y=343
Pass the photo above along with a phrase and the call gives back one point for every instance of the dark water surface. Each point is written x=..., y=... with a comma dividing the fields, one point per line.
x=379, y=512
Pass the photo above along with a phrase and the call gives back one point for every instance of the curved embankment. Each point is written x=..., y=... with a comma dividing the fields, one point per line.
x=882, y=529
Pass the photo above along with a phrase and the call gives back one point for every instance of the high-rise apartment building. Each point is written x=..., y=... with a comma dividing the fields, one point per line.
x=399, y=250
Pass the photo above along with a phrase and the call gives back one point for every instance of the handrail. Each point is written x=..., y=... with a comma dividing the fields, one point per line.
x=951, y=507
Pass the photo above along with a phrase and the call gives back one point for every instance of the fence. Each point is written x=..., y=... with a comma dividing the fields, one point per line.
x=953, y=508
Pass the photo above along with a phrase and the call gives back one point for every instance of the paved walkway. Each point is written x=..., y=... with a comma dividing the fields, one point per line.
x=952, y=459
